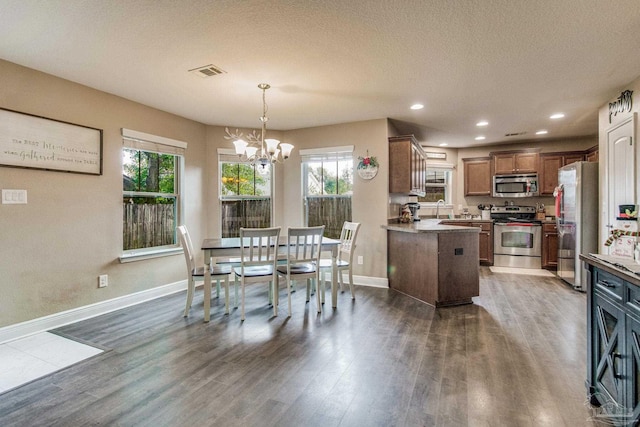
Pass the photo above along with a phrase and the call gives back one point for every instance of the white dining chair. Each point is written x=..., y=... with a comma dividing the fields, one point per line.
x=218, y=273
x=304, y=247
x=344, y=261
x=258, y=261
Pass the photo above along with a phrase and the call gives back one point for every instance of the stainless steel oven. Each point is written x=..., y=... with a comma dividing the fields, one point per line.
x=517, y=244
x=517, y=237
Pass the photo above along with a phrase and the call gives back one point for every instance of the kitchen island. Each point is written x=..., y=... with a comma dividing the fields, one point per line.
x=432, y=262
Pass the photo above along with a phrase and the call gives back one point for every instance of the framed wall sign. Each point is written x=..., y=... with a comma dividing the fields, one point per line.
x=28, y=141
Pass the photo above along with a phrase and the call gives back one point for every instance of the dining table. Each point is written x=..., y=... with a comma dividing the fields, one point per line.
x=225, y=247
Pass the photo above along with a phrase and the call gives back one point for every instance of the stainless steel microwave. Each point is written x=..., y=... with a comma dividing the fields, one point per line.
x=521, y=185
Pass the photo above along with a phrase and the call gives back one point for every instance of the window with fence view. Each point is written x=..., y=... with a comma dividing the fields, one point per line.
x=245, y=197
x=149, y=199
x=328, y=186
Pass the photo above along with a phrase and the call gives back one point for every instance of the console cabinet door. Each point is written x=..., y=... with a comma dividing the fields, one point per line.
x=608, y=343
x=633, y=365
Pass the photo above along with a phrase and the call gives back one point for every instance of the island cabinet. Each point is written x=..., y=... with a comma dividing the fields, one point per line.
x=477, y=176
x=485, y=238
x=549, y=246
x=509, y=162
x=549, y=165
x=613, y=341
x=435, y=264
x=407, y=166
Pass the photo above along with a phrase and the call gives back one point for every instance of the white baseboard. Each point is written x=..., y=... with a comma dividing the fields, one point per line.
x=375, y=282
x=41, y=324
x=46, y=323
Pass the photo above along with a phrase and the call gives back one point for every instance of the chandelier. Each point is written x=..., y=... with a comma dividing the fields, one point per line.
x=257, y=149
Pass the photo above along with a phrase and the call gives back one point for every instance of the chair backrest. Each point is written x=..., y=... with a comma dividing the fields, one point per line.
x=348, y=240
x=187, y=247
x=305, y=244
x=259, y=246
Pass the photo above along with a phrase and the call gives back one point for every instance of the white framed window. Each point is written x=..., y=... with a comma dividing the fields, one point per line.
x=327, y=180
x=151, y=179
x=438, y=185
x=244, y=193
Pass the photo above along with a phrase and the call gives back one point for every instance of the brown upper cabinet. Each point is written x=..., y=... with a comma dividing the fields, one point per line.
x=549, y=165
x=477, y=176
x=592, y=154
x=515, y=162
x=407, y=166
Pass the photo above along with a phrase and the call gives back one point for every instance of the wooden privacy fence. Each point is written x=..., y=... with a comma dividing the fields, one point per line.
x=148, y=225
x=331, y=212
x=244, y=213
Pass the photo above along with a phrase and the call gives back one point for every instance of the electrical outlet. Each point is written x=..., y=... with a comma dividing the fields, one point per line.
x=360, y=260
x=103, y=281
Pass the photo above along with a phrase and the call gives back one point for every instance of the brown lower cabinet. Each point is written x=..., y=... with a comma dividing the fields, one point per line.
x=485, y=238
x=549, y=246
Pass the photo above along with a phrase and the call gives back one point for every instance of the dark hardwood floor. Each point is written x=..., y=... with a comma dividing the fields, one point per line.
x=516, y=357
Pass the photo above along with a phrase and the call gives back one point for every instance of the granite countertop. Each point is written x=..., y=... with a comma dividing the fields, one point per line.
x=430, y=226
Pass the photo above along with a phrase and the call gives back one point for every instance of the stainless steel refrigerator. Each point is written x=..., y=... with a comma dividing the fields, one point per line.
x=577, y=219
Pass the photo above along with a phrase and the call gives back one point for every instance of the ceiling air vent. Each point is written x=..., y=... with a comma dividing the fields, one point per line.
x=207, y=71
x=515, y=133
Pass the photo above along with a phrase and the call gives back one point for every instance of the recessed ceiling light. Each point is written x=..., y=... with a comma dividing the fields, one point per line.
x=541, y=132
x=417, y=107
x=479, y=138
x=557, y=116
x=482, y=123
x=444, y=144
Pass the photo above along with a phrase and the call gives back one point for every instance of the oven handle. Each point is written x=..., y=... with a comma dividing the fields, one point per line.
x=516, y=224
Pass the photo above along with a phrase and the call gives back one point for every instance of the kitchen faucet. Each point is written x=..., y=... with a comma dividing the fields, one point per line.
x=438, y=208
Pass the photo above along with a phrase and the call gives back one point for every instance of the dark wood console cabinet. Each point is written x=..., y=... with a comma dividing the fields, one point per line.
x=613, y=341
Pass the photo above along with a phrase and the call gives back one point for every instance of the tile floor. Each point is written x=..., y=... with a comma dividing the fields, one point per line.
x=35, y=356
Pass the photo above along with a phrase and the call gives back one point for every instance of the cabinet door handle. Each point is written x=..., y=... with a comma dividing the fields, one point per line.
x=615, y=371
x=607, y=284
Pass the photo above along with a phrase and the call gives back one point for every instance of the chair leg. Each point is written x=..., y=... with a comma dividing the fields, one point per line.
x=319, y=304
x=190, y=289
x=289, y=296
x=218, y=288
x=242, y=303
x=235, y=300
x=226, y=295
x=353, y=295
x=308, y=290
x=274, y=287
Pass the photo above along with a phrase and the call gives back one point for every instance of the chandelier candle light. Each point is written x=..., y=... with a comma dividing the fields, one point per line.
x=256, y=149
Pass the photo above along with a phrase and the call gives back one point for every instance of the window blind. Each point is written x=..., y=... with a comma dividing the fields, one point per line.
x=153, y=143
x=327, y=153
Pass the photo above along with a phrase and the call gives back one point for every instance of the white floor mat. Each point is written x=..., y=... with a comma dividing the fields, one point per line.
x=525, y=271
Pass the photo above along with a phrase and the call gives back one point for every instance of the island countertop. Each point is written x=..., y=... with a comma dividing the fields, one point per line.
x=430, y=226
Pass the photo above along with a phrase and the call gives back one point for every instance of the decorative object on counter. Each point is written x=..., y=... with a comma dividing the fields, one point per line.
x=628, y=212
x=367, y=167
x=622, y=242
x=405, y=215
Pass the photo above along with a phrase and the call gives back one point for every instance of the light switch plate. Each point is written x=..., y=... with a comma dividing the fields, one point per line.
x=14, y=197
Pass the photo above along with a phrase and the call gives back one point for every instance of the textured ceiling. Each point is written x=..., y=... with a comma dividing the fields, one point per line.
x=511, y=62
